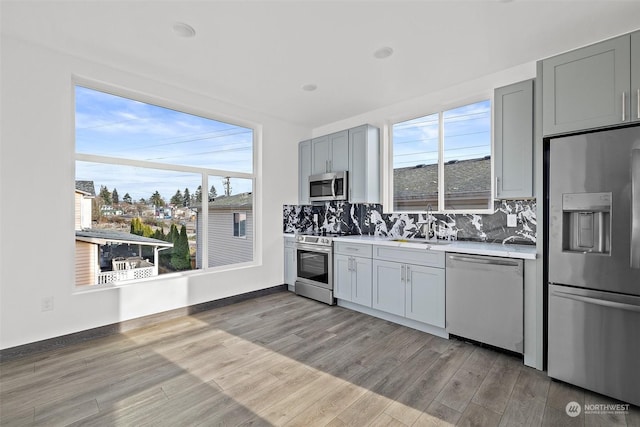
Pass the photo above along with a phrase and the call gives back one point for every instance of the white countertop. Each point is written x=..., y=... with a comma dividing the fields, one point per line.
x=465, y=247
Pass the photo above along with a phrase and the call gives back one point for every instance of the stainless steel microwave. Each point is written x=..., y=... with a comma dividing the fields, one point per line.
x=328, y=186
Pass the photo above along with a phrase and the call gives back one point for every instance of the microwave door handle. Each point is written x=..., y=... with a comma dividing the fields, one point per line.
x=635, y=208
x=333, y=187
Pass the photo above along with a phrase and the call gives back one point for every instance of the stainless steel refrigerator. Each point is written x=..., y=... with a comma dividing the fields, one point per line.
x=594, y=262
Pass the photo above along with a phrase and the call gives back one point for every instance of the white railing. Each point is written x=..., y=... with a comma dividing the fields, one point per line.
x=121, y=275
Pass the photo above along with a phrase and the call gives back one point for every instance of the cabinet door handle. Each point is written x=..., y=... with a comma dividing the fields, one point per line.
x=497, y=188
x=402, y=267
x=624, y=104
x=638, y=104
x=408, y=278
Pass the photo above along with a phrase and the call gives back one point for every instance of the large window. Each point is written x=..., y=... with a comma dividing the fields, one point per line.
x=443, y=160
x=147, y=179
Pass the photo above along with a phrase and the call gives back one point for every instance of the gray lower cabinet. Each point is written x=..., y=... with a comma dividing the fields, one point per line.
x=388, y=287
x=304, y=171
x=290, y=262
x=425, y=294
x=409, y=289
x=513, y=134
x=352, y=267
x=353, y=279
x=589, y=87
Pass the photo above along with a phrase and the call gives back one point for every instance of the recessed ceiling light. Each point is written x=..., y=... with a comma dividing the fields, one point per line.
x=183, y=30
x=383, y=52
x=309, y=87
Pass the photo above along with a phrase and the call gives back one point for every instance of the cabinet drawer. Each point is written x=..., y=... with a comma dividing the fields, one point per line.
x=410, y=256
x=354, y=249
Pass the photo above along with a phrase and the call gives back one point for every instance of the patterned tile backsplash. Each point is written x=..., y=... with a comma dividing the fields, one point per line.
x=369, y=219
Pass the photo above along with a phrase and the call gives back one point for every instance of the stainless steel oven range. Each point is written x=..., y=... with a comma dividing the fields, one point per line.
x=314, y=276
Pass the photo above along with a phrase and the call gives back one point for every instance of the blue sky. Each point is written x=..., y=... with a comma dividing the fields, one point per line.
x=110, y=125
x=467, y=135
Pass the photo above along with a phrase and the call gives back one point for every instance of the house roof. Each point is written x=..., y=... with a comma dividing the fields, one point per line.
x=464, y=177
x=86, y=187
x=102, y=237
x=236, y=201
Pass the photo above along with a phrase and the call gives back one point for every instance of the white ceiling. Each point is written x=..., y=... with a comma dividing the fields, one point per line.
x=258, y=54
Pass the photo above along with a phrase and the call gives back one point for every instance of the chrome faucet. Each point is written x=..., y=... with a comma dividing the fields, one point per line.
x=429, y=233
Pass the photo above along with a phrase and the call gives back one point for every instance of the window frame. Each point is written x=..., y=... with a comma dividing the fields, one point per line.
x=388, y=198
x=239, y=214
x=160, y=101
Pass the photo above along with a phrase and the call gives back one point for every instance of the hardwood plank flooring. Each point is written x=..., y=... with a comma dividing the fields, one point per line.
x=284, y=360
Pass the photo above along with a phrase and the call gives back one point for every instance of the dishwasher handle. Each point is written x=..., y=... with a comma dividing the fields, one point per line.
x=485, y=260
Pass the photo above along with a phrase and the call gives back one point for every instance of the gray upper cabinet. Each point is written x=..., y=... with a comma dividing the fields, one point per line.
x=355, y=150
x=588, y=87
x=330, y=153
x=364, y=165
x=635, y=76
x=304, y=171
x=513, y=133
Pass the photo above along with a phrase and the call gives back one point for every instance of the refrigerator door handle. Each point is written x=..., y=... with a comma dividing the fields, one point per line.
x=596, y=301
x=635, y=208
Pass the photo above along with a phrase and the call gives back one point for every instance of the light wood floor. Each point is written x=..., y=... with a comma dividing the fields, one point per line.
x=284, y=360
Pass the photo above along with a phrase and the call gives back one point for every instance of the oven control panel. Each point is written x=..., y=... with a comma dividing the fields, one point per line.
x=315, y=240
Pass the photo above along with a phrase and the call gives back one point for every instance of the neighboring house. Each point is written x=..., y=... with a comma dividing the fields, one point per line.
x=468, y=185
x=109, y=256
x=84, y=195
x=107, y=210
x=230, y=230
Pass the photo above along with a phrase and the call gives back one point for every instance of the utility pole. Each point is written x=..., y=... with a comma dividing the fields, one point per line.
x=226, y=182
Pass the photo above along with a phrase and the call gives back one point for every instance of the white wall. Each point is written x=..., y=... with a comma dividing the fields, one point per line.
x=37, y=212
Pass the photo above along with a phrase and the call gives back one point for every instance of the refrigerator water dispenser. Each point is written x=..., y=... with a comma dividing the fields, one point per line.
x=586, y=219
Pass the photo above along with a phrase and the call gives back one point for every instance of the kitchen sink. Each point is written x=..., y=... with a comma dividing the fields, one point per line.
x=423, y=241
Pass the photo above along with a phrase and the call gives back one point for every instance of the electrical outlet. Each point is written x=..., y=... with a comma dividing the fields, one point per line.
x=47, y=304
x=512, y=220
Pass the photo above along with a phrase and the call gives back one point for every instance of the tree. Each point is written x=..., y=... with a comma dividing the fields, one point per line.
x=177, y=199
x=136, y=226
x=156, y=199
x=180, y=258
x=105, y=195
x=198, y=194
x=159, y=234
x=127, y=199
x=186, y=198
x=142, y=201
x=212, y=193
x=114, y=197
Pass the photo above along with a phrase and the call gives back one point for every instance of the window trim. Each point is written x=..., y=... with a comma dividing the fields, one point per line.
x=163, y=102
x=438, y=109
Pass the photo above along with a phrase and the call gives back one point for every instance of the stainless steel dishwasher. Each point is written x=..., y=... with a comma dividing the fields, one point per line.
x=485, y=299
